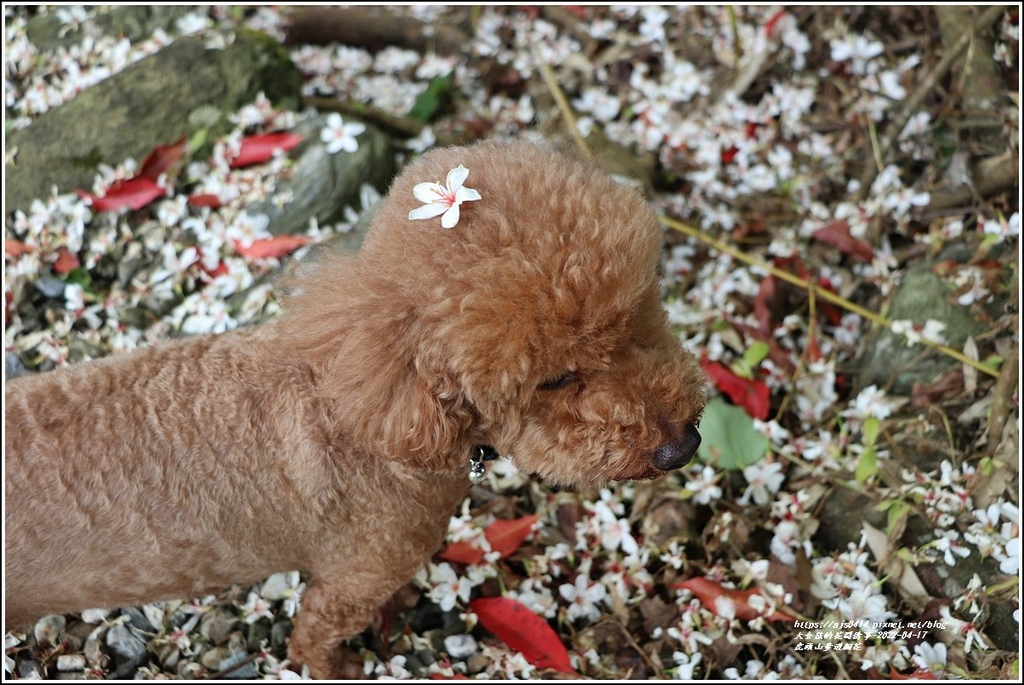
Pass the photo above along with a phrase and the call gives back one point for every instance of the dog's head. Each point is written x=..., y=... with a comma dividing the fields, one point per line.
x=534, y=324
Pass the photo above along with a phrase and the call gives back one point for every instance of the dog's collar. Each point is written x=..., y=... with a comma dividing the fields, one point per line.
x=478, y=454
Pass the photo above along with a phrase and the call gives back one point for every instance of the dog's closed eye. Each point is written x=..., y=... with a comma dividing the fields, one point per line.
x=560, y=381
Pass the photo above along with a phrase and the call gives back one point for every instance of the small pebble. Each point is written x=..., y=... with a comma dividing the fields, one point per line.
x=71, y=662
x=125, y=643
x=460, y=647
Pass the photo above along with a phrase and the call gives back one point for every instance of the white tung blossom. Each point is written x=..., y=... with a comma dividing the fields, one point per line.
x=765, y=479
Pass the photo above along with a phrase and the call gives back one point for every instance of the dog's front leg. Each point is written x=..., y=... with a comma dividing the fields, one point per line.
x=327, y=617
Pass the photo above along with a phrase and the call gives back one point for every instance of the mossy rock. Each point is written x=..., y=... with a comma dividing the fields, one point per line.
x=134, y=22
x=153, y=102
x=320, y=184
x=887, y=360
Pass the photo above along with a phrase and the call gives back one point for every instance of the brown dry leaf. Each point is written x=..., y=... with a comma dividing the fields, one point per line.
x=945, y=386
x=909, y=584
x=986, y=488
x=670, y=519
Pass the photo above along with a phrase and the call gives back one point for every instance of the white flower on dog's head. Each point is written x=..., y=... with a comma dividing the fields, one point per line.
x=444, y=199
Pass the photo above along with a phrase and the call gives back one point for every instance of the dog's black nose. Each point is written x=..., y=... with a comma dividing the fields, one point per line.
x=677, y=454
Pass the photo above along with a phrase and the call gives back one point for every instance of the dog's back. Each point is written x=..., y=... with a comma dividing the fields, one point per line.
x=114, y=492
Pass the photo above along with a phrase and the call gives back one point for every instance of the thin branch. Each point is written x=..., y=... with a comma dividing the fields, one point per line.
x=818, y=291
x=563, y=105
x=1008, y=381
x=371, y=29
x=406, y=128
x=989, y=176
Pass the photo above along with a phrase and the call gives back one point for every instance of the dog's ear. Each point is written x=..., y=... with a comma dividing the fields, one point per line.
x=377, y=384
x=489, y=332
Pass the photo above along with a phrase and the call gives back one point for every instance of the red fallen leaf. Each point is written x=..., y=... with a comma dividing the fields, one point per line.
x=504, y=535
x=135, y=193
x=260, y=148
x=762, y=306
x=163, y=159
x=945, y=267
x=218, y=270
x=271, y=248
x=16, y=248
x=523, y=631
x=205, y=200
x=794, y=265
x=751, y=394
x=947, y=385
x=837, y=234
x=221, y=269
x=66, y=262
x=462, y=552
x=729, y=155
x=773, y=22
x=712, y=595
x=919, y=674
x=832, y=313
x=813, y=351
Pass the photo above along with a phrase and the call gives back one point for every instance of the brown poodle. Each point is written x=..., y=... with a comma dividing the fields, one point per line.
x=338, y=438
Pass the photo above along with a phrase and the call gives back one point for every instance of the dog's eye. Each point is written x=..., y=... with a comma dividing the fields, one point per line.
x=561, y=381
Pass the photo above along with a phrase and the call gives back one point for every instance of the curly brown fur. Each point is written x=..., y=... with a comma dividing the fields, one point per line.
x=337, y=438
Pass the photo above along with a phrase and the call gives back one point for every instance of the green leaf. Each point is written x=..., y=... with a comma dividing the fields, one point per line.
x=197, y=140
x=728, y=437
x=429, y=101
x=79, y=276
x=897, y=516
x=867, y=465
x=870, y=429
x=754, y=355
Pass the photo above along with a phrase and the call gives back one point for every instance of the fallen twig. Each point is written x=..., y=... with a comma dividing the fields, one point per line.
x=389, y=123
x=818, y=291
x=989, y=176
x=1008, y=381
x=563, y=104
x=370, y=29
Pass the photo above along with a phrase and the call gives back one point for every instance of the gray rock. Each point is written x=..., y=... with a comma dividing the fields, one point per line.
x=322, y=184
x=460, y=647
x=134, y=22
x=125, y=643
x=153, y=102
x=30, y=670
x=279, y=634
x=13, y=365
x=886, y=358
x=217, y=625
x=256, y=634
x=246, y=671
x=212, y=659
x=71, y=662
x=50, y=287
x=477, y=663
x=49, y=629
x=137, y=619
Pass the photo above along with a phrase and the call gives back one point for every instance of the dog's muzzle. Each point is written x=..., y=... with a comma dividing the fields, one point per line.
x=678, y=453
